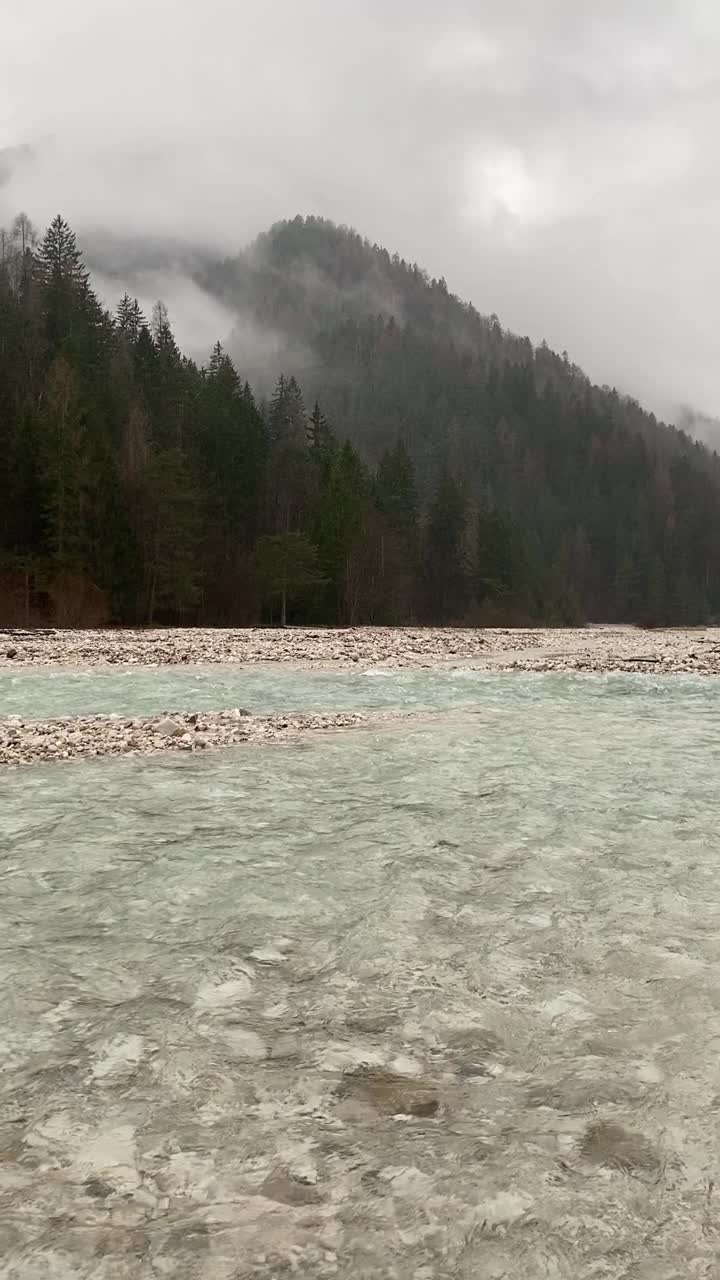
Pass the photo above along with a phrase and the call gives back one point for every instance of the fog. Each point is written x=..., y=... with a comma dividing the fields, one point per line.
x=556, y=165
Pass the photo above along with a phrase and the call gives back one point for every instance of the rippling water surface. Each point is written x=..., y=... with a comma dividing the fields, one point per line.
x=44, y=693
x=439, y=1000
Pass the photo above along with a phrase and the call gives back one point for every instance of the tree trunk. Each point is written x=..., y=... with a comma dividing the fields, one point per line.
x=283, y=608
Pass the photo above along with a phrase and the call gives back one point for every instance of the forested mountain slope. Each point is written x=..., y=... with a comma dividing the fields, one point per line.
x=448, y=471
x=624, y=508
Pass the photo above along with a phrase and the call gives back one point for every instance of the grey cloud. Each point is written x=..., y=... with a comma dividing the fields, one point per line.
x=556, y=164
x=12, y=159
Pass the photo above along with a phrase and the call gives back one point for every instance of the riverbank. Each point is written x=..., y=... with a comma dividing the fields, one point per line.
x=543, y=649
x=25, y=740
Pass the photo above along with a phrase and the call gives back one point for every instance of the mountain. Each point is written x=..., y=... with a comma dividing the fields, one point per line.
x=448, y=472
x=701, y=426
x=600, y=488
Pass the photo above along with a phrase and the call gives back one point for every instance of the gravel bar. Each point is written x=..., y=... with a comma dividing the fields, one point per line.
x=611, y=648
x=81, y=737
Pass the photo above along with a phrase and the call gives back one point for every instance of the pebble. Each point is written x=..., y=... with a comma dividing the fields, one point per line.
x=80, y=737
x=596, y=648
x=590, y=649
x=160, y=647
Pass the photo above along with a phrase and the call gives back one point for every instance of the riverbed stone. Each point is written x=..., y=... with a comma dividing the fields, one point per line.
x=170, y=728
x=607, y=1143
x=390, y=1093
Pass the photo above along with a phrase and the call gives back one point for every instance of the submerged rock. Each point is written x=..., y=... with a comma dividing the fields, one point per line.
x=574, y=1096
x=371, y=1023
x=610, y=1145
x=284, y=1188
x=390, y=1093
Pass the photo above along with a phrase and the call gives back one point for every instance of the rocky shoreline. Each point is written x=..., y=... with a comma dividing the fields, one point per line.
x=587, y=650
x=612, y=648
x=83, y=737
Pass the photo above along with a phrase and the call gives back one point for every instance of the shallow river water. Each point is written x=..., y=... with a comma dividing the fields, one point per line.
x=438, y=999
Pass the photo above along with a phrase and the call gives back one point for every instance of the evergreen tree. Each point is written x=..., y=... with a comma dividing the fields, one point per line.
x=445, y=561
x=499, y=570
x=129, y=318
x=162, y=488
x=59, y=259
x=398, y=503
x=289, y=469
x=286, y=565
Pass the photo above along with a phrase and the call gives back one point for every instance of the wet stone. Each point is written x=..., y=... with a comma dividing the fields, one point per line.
x=99, y=1190
x=577, y=1096
x=390, y=1093
x=610, y=1145
x=282, y=1187
x=370, y=1023
x=475, y=1070
x=476, y=1052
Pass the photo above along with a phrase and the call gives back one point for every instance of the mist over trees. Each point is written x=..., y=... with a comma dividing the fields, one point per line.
x=422, y=465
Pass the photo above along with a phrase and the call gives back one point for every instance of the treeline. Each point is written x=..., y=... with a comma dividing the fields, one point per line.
x=130, y=475
x=614, y=515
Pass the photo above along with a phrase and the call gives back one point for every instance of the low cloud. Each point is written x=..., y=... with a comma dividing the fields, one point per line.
x=555, y=164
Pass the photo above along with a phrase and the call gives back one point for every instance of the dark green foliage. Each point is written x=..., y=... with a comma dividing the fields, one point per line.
x=286, y=567
x=453, y=473
x=615, y=515
x=446, y=578
x=500, y=566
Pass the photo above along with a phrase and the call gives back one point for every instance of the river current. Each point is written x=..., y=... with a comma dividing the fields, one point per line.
x=422, y=1000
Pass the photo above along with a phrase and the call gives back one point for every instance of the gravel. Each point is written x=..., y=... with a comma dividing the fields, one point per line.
x=562, y=649
x=80, y=737
x=590, y=649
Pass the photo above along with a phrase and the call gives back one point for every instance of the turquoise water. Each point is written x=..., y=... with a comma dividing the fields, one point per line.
x=45, y=693
x=517, y=901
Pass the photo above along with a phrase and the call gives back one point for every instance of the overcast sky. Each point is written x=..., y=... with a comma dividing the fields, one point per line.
x=561, y=170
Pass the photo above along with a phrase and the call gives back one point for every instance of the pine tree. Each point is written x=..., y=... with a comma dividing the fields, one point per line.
x=445, y=566
x=499, y=569
x=67, y=479
x=59, y=259
x=398, y=505
x=129, y=318
x=127, y=467
x=286, y=564
x=322, y=443
x=289, y=461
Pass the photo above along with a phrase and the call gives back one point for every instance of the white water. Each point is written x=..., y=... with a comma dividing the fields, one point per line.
x=518, y=902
